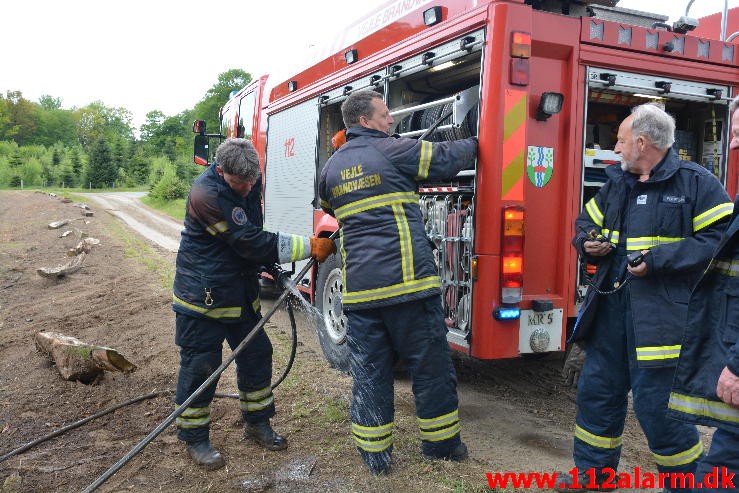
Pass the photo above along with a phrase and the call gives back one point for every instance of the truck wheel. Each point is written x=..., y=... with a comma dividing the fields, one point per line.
x=332, y=330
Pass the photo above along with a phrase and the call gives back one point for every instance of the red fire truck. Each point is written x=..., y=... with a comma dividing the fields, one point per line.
x=544, y=84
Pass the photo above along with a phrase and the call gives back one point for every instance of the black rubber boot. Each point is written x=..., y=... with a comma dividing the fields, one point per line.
x=459, y=454
x=265, y=436
x=204, y=455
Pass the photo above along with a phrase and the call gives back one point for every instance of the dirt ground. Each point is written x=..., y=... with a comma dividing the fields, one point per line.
x=516, y=415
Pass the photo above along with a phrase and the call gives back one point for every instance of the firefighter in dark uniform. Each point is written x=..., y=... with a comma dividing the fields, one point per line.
x=673, y=212
x=706, y=388
x=216, y=295
x=391, y=287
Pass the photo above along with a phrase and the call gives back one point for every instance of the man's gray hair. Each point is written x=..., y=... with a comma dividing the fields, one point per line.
x=734, y=105
x=358, y=104
x=238, y=157
x=654, y=123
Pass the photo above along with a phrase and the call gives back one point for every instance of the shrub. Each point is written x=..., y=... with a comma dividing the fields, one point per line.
x=169, y=187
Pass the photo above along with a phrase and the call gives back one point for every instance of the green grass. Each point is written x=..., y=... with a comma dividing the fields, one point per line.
x=174, y=208
x=336, y=410
x=150, y=259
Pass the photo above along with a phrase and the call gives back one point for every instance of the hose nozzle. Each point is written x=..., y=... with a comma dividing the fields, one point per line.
x=280, y=275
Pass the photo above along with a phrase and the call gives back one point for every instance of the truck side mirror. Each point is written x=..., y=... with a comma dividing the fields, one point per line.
x=198, y=126
x=200, y=155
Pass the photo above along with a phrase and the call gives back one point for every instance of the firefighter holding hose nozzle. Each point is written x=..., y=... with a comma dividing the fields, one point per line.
x=216, y=296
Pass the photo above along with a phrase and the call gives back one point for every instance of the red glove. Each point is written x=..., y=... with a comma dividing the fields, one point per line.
x=321, y=248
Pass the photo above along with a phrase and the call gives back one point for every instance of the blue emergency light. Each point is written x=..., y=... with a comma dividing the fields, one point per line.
x=502, y=313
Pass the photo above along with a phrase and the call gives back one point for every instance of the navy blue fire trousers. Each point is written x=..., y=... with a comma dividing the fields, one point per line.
x=415, y=333
x=201, y=342
x=609, y=373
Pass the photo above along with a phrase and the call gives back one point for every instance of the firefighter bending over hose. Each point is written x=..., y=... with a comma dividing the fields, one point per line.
x=216, y=295
x=392, y=290
x=673, y=212
x=706, y=387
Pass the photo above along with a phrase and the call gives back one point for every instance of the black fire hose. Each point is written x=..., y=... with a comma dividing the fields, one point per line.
x=216, y=374
x=152, y=395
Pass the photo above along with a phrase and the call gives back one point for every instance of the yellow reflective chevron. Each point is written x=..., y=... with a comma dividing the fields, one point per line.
x=646, y=242
x=255, y=395
x=424, y=161
x=219, y=227
x=406, y=245
x=712, y=215
x=439, y=428
x=699, y=406
x=613, y=236
x=390, y=291
x=598, y=441
x=256, y=305
x=376, y=201
x=373, y=446
x=257, y=400
x=650, y=353
x=372, y=431
x=681, y=458
x=193, y=417
x=225, y=312
x=298, y=247
x=373, y=438
x=725, y=267
x=444, y=419
x=442, y=434
x=594, y=212
x=257, y=406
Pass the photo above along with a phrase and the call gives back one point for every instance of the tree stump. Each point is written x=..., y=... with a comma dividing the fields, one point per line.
x=77, y=360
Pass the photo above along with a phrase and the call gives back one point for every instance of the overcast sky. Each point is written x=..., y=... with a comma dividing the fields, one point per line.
x=164, y=54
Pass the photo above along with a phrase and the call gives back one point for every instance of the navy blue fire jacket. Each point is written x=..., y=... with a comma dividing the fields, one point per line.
x=679, y=215
x=370, y=186
x=222, y=249
x=711, y=340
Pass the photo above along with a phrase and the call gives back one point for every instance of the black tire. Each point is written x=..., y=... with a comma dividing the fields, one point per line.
x=332, y=332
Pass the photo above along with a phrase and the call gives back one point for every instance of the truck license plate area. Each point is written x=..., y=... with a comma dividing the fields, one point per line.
x=540, y=332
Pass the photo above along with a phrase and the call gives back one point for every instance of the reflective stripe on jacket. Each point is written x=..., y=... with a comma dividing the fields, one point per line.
x=711, y=340
x=370, y=186
x=678, y=215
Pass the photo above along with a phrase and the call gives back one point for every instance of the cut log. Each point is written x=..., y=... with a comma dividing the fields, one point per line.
x=83, y=246
x=58, y=224
x=62, y=270
x=77, y=360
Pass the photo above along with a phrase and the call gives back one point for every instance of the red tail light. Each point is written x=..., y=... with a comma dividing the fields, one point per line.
x=512, y=255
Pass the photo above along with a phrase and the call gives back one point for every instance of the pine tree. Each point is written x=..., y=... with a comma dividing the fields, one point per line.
x=67, y=176
x=101, y=171
x=15, y=160
x=119, y=154
x=74, y=158
x=138, y=168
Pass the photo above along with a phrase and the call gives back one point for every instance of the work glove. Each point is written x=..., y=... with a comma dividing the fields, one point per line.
x=573, y=365
x=321, y=248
